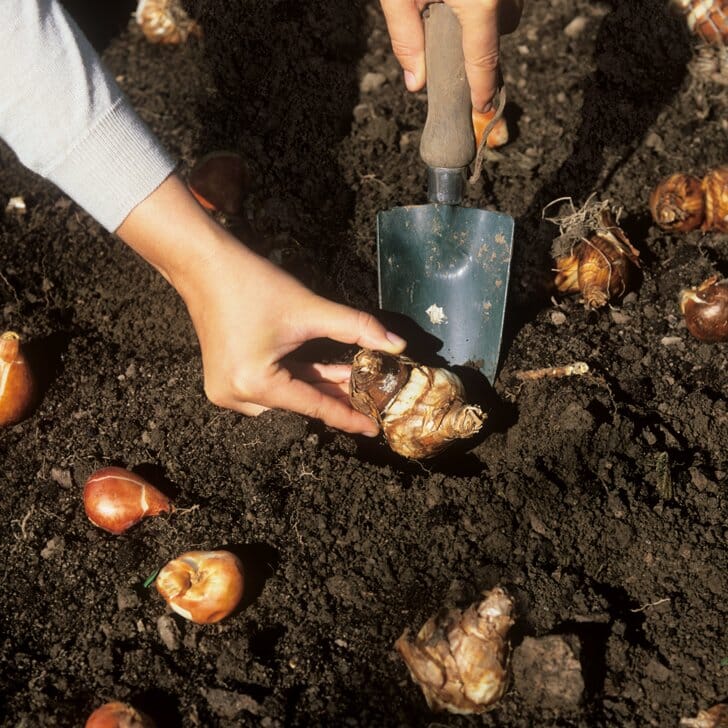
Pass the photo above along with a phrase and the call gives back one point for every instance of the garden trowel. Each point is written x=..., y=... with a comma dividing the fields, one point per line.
x=442, y=265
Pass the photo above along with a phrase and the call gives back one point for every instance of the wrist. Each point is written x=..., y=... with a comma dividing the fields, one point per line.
x=171, y=231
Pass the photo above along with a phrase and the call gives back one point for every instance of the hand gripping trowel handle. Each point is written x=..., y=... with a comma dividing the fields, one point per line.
x=447, y=146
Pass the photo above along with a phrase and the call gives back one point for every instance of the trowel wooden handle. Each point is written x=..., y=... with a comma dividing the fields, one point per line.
x=448, y=139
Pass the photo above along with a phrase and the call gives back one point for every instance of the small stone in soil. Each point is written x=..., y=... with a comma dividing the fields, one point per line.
x=168, y=632
x=372, y=82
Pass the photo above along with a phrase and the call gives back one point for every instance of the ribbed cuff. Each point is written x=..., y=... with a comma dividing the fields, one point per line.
x=116, y=165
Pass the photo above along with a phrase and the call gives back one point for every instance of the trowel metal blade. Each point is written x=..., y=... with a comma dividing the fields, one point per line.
x=447, y=267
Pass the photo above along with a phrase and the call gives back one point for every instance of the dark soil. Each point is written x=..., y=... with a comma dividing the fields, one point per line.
x=598, y=501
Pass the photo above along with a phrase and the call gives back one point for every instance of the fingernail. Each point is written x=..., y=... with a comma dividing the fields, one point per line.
x=396, y=341
x=410, y=81
x=486, y=108
x=370, y=433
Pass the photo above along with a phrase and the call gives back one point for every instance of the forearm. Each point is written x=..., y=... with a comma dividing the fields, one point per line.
x=66, y=118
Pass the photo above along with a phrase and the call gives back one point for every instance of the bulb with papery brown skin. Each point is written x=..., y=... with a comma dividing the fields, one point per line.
x=707, y=19
x=118, y=715
x=220, y=181
x=420, y=409
x=599, y=267
x=165, y=22
x=497, y=136
x=715, y=191
x=705, y=309
x=115, y=499
x=460, y=659
x=18, y=391
x=202, y=586
x=677, y=203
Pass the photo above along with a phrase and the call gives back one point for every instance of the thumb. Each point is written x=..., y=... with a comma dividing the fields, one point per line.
x=404, y=24
x=350, y=326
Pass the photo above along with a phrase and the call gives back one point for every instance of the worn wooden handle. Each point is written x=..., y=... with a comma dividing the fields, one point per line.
x=448, y=139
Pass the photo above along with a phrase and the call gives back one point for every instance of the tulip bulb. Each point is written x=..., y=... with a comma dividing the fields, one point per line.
x=219, y=182
x=598, y=265
x=118, y=715
x=705, y=309
x=497, y=136
x=17, y=384
x=460, y=659
x=165, y=21
x=708, y=19
x=420, y=409
x=115, y=499
x=202, y=586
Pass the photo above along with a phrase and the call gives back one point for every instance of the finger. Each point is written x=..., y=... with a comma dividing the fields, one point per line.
x=314, y=372
x=479, y=22
x=407, y=35
x=350, y=326
x=339, y=391
x=298, y=396
x=327, y=401
x=250, y=408
x=331, y=379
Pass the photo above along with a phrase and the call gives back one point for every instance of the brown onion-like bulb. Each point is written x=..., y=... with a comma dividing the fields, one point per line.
x=420, y=409
x=219, y=181
x=599, y=267
x=708, y=19
x=18, y=389
x=460, y=659
x=118, y=715
x=165, y=21
x=115, y=499
x=677, y=203
x=705, y=309
x=202, y=586
x=715, y=190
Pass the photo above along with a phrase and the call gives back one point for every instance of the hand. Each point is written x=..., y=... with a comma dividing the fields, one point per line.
x=482, y=21
x=249, y=315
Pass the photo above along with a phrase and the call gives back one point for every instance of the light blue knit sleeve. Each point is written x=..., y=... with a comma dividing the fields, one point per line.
x=65, y=117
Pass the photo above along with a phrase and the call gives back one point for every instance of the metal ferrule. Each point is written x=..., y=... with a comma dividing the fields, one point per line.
x=445, y=185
